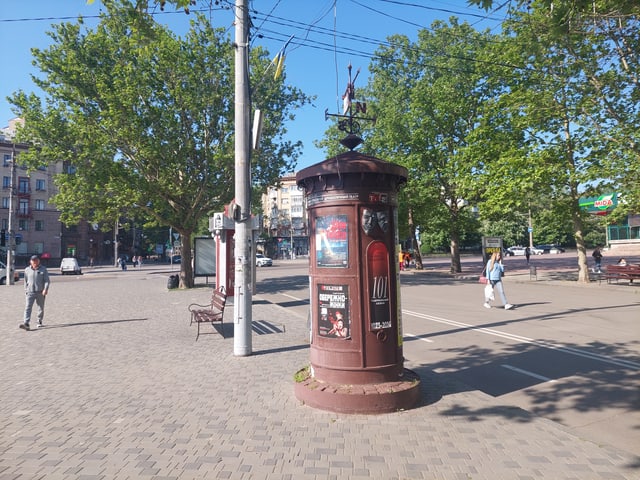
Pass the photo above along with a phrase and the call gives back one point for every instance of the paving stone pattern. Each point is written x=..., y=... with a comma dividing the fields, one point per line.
x=116, y=387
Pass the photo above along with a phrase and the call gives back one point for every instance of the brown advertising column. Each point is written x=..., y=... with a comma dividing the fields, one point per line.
x=356, y=332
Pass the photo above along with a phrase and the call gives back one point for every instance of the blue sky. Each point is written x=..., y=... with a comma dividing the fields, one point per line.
x=328, y=35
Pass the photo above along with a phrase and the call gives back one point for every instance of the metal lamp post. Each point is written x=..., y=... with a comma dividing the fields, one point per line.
x=11, y=239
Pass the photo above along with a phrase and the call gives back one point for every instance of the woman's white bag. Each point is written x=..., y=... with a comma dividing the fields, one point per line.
x=488, y=292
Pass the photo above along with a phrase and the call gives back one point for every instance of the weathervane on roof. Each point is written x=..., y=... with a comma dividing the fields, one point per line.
x=348, y=120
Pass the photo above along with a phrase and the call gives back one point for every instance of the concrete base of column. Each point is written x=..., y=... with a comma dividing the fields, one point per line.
x=371, y=398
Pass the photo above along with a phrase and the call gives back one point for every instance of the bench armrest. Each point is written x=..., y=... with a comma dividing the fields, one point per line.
x=198, y=305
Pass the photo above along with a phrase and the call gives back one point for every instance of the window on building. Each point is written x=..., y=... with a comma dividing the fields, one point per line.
x=6, y=182
x=7, y=160
x=23, y=225
x=40, y=185
x=38, y=247
x=23, y=185
x=39, y=204
x=5, y=202
x=39, y=225
x=23, y=207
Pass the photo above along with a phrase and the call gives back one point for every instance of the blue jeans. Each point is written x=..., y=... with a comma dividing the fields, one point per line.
x=497, y=287
x=32, y=297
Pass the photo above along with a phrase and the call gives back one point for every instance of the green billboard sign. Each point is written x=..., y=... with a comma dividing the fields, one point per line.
x=599, y=205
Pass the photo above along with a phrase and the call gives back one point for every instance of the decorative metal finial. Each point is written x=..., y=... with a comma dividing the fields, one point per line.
x=348, y=122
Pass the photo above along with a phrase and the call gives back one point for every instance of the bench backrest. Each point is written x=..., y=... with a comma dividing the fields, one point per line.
x=218, y=299
x=635, y=269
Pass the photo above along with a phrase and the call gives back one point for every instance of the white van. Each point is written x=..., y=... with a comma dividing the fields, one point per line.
x=70, y=265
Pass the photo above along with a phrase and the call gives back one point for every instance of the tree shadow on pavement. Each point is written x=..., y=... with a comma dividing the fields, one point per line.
x=274, y=285
x=590, y=378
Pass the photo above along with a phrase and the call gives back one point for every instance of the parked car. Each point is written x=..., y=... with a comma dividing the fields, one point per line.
x=519, y=251
x=263, y=261
x=70, y=266
x=551, y=248
x=3, y=274
x=175, y=259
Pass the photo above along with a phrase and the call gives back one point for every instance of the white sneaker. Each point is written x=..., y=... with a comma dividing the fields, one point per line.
x=508, y=306
x=486, y=305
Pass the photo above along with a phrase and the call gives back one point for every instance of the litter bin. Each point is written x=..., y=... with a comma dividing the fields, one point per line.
x=173, y=281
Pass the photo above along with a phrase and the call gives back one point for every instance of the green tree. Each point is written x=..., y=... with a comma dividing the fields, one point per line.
x=144, y=121
x=574, y=95
x=431, y=101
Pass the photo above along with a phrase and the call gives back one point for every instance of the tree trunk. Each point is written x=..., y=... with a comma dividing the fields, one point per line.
x=583, y=267
x=414, y=241
x=186, y=268
x=456, y=267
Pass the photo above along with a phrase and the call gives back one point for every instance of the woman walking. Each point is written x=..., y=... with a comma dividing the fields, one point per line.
x=495, y=272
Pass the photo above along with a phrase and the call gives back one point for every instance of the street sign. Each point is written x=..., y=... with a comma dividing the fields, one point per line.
x=530, y=229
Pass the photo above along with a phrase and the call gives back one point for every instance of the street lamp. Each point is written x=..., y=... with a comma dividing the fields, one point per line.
x=11, y=242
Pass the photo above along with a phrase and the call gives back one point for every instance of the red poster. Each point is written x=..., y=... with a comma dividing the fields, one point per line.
x=378, y=282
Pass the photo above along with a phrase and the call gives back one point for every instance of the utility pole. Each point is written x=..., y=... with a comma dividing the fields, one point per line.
x=291, y=232
x=530, y=229
x=11, y=237
x=244, y=260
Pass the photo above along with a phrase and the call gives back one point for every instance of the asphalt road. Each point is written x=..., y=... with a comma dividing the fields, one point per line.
x=569, y=353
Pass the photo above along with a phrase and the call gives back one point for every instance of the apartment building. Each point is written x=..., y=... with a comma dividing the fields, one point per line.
x=36, y=221
x=285, y=220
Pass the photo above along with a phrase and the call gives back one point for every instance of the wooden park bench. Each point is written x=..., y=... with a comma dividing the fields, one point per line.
x=214, y=312
x=619, y=272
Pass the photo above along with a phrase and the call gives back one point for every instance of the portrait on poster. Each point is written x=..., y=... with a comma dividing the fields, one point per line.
x=332, y=241
x=333, y=305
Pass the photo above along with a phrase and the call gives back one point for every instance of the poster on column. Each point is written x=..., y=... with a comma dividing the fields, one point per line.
x=378, y=288
x=332, y=241
x=333, y=318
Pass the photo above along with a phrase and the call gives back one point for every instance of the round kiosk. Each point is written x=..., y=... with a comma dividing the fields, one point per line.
x=356, y=363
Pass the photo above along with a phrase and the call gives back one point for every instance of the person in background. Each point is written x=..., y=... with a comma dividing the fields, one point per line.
x=622, y=262
x=36, y=287
x=597, y=256
x=495, y=271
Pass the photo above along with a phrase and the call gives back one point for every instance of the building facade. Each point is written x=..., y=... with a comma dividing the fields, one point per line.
x=285, y=220
x=36, y=221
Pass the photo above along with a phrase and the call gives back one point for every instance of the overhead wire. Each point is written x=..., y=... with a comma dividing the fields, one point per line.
x=308, y=28
x=370, y=41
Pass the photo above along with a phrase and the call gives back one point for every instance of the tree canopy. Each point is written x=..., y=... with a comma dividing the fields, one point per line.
x=520, y=123
x=143, y=119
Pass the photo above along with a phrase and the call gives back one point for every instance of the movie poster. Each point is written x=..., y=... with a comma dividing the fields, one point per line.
x=332, y=241
x=333, y=319
x=378, y=280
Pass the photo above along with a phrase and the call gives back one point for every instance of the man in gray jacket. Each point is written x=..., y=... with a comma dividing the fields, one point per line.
x=36, y=287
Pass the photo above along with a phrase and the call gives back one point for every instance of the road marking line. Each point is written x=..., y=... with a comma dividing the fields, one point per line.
x=540, y=343
x=294, y=298
x=528, y=373
x=428, y=340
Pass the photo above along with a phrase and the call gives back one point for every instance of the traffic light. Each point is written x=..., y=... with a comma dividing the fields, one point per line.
x=3, y=234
